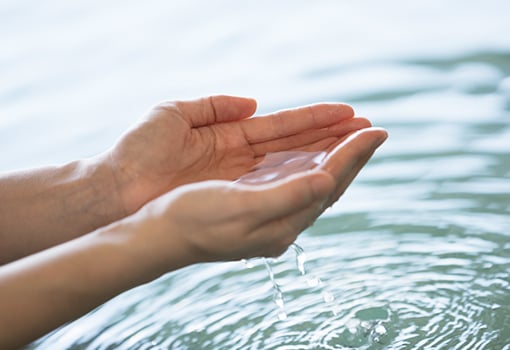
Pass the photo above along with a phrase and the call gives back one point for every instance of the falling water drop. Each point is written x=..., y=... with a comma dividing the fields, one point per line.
x=312, y=280
x=248, y=263
x=328, y=296
x=276, y=166
x=300, y=258
x=378, y=333
x=277, y=292
x=278, y=297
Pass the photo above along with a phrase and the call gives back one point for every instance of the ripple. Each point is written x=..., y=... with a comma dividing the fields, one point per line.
x=404, y=290
x=415, y=256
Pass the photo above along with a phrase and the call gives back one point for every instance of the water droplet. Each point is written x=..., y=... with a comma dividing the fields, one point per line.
x=301, y=258
x=277, y=292
x=352, y=325
x=379, y=333
x=313, y=281
x=328, y=296
x=275, y=166
x=335, y=310
x=365, y=327
x=282, y=315
x=380, y=330
x=248, y=263
x=278, y=297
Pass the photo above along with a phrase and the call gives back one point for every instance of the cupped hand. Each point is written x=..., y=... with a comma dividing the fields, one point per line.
x=220, y=220
x=224, y=220
x=179, y=143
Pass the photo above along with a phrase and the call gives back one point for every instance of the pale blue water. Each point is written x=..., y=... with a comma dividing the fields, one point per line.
x=417, y=252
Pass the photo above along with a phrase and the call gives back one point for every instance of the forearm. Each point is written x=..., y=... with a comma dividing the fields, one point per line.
x=47, y=289
x=44, y=207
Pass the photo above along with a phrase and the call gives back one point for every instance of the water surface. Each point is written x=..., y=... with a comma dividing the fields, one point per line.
x=416, y=253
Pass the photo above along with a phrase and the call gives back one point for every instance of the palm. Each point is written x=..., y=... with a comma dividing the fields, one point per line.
x=213, y=138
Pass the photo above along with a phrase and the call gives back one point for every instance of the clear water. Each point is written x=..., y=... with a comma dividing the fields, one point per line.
x=417, y=252
x=273, y=167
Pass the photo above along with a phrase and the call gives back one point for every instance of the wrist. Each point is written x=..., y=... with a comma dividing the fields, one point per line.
x=150, y=240
x=101, y=184
x=129, y=191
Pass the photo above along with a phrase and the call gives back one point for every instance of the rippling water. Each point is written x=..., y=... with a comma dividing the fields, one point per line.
x=417, y=252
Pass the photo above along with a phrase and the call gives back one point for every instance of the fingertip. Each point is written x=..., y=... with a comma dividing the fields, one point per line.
x=251, y=102
x=348, y=156
x=363, y=122
x=379, y=134
x=348, y=109
x=237, y=107
x=345, y=110
x=246, y=101
x=251, y=105
x=373, y=136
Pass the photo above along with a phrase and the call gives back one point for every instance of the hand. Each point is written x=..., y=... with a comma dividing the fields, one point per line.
x=221, y=220
x=346, y=160
x=212, y=138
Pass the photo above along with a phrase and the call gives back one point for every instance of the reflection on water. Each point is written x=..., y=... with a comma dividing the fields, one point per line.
x=416, y=253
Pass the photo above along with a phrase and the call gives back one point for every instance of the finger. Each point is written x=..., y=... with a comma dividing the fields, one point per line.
x=216, y=109
x=328, y=144
x=314, y=137
x=293, y=121
x=347, y=159
x=274, y=237
x=281, y=198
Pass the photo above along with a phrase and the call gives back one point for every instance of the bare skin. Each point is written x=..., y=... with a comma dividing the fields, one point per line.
x=169, y=203
x=219, y=140
x=175, y=143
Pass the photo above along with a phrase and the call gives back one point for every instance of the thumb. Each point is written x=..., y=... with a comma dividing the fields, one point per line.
x=216, y=109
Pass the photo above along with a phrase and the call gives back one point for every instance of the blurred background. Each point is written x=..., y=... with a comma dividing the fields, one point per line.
x=420, y=243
